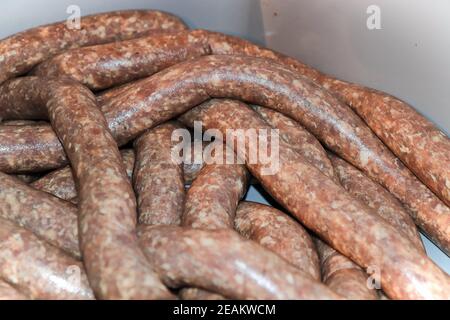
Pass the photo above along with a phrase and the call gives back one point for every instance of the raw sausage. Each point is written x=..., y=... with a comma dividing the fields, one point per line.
x=176, y=89
x=377, y=198
x=38, y=269
x=345, y=223
x=220, y=261
x=115, y=265
x=21, y=51
x=277, y=232
x=307, y=145
x=111, y=64
x=48, y=217
x=298, y=139
x=212, y=199
x=414, y=139
x=60, y=182
x=158, y=178
x=29, y=148
x=343, y=276
x=430, y=163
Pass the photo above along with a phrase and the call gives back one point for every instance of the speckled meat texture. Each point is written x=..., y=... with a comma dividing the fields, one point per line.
x=39, y=270
x=158, y=178
x=263, y=82
x=48, y=217
x=198, y=294
x=277, y=232
x=21, y=51
x=343, y=276
x=61, y=184
x=307, y=145
x=220, y=261
x=414, y=139
x=115, y=265
x=369, y=155
x=377, y=198
x=327, y=209
x=212, y=199
x=28, y=148
x=111, y=64
x=8, y=292
x=330, y=120
x=299, y=139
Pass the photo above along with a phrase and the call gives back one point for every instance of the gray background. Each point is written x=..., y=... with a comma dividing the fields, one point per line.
x=409, y=57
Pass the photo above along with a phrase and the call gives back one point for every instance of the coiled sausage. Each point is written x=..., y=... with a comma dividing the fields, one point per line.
x=38, y=269
x=48, y=217
x=158, y=178
x=21, y=51
x=342, y=275
x=219, y=261
x=377, y=198
x=116, y=63
x=115, y=265
x=347, y=224
x=277, y=232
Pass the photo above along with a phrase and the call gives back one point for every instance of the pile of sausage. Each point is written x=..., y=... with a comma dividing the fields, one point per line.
x=92, y=205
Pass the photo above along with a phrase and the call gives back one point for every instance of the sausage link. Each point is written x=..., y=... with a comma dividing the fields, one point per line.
x=116, y=63
x=343, y=276
x=158, y=179
x=61, y=184
x=431, y=167
x=30, y=148
x=307, y=145
x=298, y=139
x=8, y=292
x=21, y=51
x=220, y=261
x=48, y=217
x=38, y=269
x=277, y=232
x=377, y=198
x=63, y=215
x=115, y=265
x=176, y=89
x=263, y=82
x=212, y=199
x=414, y=139
x=326, y=208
